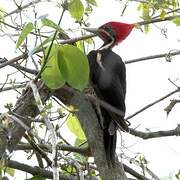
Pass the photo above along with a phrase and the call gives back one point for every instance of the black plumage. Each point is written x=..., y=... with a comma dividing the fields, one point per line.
x=108, y=78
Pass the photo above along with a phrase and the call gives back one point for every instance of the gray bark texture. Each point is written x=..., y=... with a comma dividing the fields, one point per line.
x=26, y=106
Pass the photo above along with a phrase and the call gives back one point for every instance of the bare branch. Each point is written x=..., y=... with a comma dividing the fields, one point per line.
x=148, y=135
x=25, y=55
x=21, y=123
x=73, y=40
x=47, y=147
x=154, y=176
x=12, y=87
x=40, y=106
x=142, y=163
x=22, y=56
x=171, y=105
x=19, y=67
x=134, y=173
x=20, y=29
x=153, y=103
x=35, y=170
x=22, y=7
x=169, y=12
x=152, y=21
x=37, y=149
x=152, y=57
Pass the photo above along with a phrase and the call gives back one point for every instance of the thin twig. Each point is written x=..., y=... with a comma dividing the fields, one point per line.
x=73, y=40
x=173, y=83
x=141, y=165
x=21, y=123
x=34, y=146
x=134, y=173
x=76, y=165
x=25, y=55
x=12, y=87
x=152, y=57
x=40, y=106
x=169, y=12
x=152, y=174
x=48, y=148
x=20, y=29
x=22, y=56
x=24, y=69
x=50, y=47
x=152, y=21
x=22, y=7
x=19, y=67
x=153, y=103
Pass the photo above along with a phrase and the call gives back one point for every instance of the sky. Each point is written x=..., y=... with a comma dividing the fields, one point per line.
x=146, y=82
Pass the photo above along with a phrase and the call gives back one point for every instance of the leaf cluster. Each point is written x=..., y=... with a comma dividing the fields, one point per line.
x=162, y=8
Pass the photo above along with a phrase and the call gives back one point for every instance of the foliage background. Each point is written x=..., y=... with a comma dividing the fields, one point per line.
x=147, y=81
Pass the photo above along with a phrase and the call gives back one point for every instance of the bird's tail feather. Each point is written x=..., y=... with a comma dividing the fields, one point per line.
x=110, y=147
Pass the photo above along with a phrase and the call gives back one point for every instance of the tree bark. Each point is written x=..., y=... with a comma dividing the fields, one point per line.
x=94, y=135
x=26, y=106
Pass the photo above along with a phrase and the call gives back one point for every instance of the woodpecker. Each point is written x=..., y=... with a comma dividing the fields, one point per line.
x=108, y=78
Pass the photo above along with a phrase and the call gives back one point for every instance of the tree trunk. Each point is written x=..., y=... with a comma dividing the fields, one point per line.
x=94, y=134
x=25, y=107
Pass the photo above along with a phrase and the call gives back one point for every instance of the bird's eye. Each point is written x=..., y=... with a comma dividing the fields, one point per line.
x=109, y=30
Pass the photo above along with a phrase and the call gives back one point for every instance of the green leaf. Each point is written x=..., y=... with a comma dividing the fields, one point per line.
x=75, y=127
x=88, y=10
x=80, y=45
x=81, y=143
x=51, y=74
x=176, y=21
x=146, y=28
x=140, y=7
x=4, y=169
x=26, y=30
x=50, y=23
x=89, y=41
x=10, y=171
x=2, y=13
x=79, y=157
x=36, y=177
x=163, y=14
x=76, y=9
x=93, y=2
x=66, y=64
x=146, y=12
x=74, y=66
x=68, y=169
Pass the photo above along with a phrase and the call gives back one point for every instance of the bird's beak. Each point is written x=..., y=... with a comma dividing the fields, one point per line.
x=92, y=30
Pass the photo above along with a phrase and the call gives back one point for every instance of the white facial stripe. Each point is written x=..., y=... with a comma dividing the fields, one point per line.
x=112, y=40
x=98, y=59
x=107, y=46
